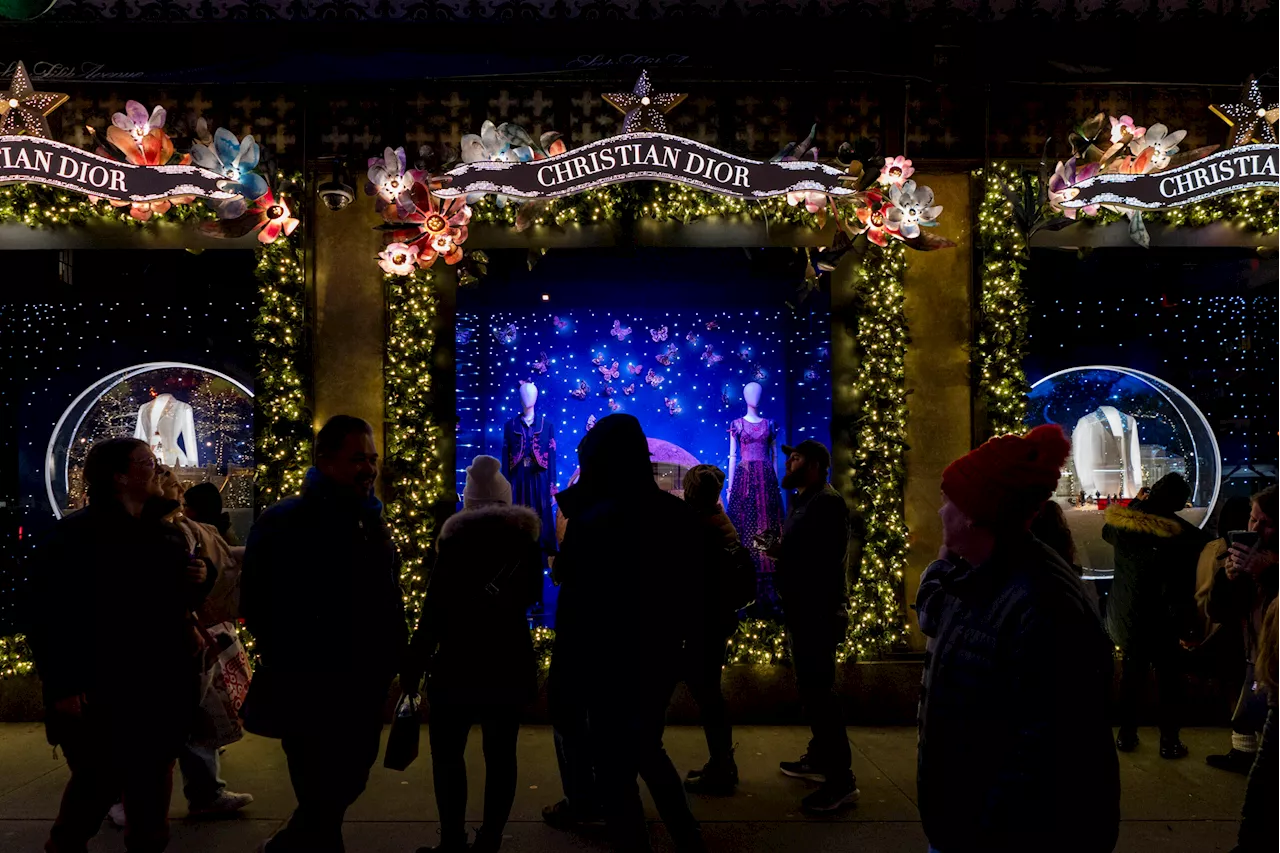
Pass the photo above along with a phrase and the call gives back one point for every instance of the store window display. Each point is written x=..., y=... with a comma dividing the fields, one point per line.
x=755, y=496
x=529, y=462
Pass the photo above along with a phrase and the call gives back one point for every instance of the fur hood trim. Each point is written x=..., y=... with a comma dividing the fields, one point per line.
x=518, y=517
x=1136, y=521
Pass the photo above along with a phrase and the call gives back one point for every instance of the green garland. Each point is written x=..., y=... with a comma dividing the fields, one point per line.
x=1002, y=325
x=414, y=471
x=282, y=422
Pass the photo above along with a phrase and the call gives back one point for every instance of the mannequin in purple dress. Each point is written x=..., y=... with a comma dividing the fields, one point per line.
x=755, y=498
x=529, y=462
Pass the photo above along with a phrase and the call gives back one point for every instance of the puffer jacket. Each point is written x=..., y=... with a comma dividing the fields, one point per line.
x=1153, y=596
x=473, y=636
x=1013, y=722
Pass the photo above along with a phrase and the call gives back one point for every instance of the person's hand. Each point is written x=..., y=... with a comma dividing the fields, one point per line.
x=774, y=551
x=69, y=706
x=197, y=571
x=1243, y=561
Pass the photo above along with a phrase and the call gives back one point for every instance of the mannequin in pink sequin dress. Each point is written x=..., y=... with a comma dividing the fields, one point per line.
x=755, y=498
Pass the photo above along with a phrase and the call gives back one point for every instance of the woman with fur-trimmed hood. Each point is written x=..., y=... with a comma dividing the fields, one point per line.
x=1152, y=604
x=473, y=642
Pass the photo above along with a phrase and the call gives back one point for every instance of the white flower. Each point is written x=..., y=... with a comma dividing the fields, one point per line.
x=398, y=259
x=1162, y=143
x=912, y=207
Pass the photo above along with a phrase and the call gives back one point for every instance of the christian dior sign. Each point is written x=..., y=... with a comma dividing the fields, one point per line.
x=1232, y=170
x=643, y=156
x=33, y=160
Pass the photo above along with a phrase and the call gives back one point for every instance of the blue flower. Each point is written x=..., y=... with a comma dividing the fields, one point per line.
x=235, y=160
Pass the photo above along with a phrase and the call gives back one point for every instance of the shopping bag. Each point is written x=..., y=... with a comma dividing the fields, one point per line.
x=224, y=687
x=402, y=743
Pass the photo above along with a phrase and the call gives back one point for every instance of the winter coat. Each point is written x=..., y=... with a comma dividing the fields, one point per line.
x=473, y=635
x=1013, y=725
x=1243, y=602
x=222, y=604
x=111, y=619
x=635, y=551
x=1152, y=601
x=320, y=592
x=718, y=533
x=811, y=577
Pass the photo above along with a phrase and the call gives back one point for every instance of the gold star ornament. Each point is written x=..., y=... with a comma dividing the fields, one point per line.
x=1249, y=120
x=23, y=110
x=644, y=108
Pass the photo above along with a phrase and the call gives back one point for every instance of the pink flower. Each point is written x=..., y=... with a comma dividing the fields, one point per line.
x=896, y=170
x=444, y=230
x=275, y=218
x=1062, y=187
x=876, y=225
x=135, y=121
x=1123, y=129
x=813, y=201
x=398, y=259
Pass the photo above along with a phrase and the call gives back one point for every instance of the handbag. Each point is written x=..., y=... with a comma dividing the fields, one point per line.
x=402, y=742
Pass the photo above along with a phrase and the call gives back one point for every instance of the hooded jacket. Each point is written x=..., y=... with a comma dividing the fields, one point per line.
x=1153, y=596
x=473, y=636
x=1013, y=708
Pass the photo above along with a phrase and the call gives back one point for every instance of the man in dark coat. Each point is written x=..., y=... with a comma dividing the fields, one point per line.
x=814, y=591
x=624, y=676
x=320, y=592
x=116, y=648
x=1152, y=605
x=1013, y=705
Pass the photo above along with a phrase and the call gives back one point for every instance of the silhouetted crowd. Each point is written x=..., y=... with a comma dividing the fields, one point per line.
x=138, y=596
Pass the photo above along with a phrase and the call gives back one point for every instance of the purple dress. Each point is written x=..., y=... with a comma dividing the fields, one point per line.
x=755, y=502
x=529, y=462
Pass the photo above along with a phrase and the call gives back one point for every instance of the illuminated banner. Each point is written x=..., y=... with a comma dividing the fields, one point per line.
x=32, y=160
x=643, y=157
x=1232, y=170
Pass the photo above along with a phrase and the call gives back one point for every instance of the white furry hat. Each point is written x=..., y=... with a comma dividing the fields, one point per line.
x=485, y=483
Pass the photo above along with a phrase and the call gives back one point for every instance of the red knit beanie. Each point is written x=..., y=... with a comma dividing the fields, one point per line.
x=1005, y=481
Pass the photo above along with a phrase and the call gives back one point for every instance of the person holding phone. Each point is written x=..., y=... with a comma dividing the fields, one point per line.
x=1242, y=591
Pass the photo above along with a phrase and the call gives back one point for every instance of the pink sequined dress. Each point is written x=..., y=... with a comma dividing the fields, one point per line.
x=755, y=501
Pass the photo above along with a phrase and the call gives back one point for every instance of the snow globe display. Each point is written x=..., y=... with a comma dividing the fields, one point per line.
x=197, y=421
x=1127, y=429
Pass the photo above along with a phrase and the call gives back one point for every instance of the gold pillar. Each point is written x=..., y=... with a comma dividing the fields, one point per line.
x=350, y=328
x=938, y=291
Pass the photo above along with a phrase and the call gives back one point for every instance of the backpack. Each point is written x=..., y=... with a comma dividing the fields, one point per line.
x=737, y=578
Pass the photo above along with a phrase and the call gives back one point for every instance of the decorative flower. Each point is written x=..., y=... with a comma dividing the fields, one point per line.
x=1161, y=143
x=1062, y=187
x=876, y=225
x=813, y=201
x=234, y=159
x=135, y=122
x=392, y=181
x=507, y=143
x=912, y=207
x=274, y=216
x=444, y=230
x=1123, y=129
x=895, y=172
x=398, y=259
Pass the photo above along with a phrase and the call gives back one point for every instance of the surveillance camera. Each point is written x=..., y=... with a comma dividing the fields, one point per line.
x=335, y=194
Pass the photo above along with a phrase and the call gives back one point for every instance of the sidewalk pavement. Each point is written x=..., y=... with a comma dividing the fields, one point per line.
x=1168, y=806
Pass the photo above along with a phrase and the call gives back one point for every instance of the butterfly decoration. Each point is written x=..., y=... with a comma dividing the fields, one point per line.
x=540, y=366
x=724, y=398
x=607, y=391
x=811, y=375
x=669, y=356
x=744, y=353
x=560, y=324
x=712, y=325
x=614, y=405
x=629, y=389
x=636, y=369
x=580, y=393
x=823, y=352
x=759, y=373
x=591, y=421
x=654, y=379
x=673, y=406
x=610, y=372
x=619, y=331
x=658, y=335
x=692, y=338
x=463, y=336
x=710, y=357
x=598, y=359
x=505, y=336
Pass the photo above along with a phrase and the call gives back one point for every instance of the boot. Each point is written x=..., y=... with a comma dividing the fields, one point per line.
x=718, y=777
x=487, y=842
